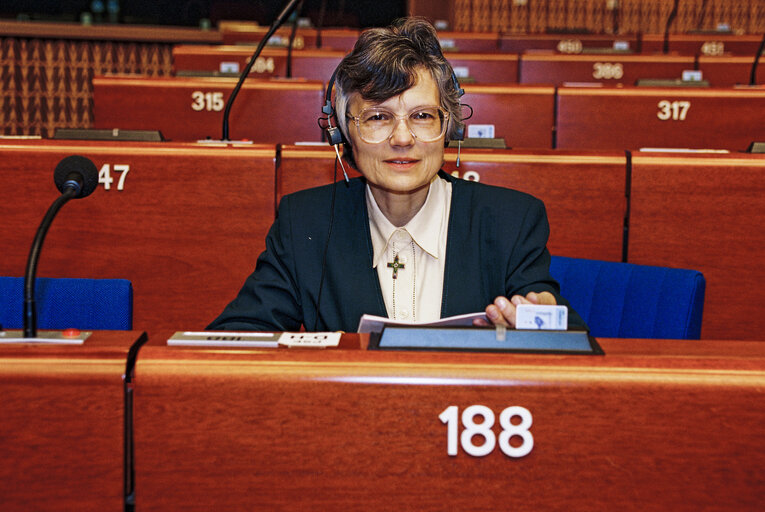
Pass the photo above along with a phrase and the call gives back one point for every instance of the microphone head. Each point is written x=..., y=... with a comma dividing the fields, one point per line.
x=76, y=171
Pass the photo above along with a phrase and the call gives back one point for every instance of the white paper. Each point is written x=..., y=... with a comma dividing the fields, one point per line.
x=372, y=323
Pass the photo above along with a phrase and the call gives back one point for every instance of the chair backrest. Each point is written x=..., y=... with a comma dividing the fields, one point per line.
x=93, y=304
x=624, y=300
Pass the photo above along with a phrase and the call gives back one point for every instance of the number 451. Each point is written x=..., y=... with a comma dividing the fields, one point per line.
x=105, y=176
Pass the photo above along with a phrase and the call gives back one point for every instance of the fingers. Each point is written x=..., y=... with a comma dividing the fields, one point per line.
x=544, y=298
x=502, y=310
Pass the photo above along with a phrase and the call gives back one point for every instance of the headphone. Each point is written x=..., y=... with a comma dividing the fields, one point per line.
x=335, y=136
x=333, y=133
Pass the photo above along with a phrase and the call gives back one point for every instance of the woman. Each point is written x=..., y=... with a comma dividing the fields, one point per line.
x=406, y=241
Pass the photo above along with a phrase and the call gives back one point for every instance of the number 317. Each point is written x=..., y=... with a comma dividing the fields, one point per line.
x=450, y=416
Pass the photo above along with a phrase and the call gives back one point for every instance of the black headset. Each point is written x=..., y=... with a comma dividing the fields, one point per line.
x=335, y=136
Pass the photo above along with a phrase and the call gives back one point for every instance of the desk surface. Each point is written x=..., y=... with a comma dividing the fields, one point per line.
x=61, y=434
x=659, y=424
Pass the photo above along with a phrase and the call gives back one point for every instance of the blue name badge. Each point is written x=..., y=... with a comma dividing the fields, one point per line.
x=484, y=339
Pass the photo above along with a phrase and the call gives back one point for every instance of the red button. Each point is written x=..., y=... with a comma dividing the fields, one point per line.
x=71, y=333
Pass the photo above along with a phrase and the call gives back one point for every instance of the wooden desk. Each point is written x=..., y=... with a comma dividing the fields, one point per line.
x=185, y=223
x=313, y=64
x=653, y=424
x=191, y=109
x=310, y=64
x=541, y=68
x=635, y=117
x=476, y=42
x=61, y=436
x=705, y=212
x=485, y=67
x=703, y=44
x=564, y=43
x=233, y=32
x=728, y=71
x=107, y=32
x=272, y=62
x=584, y=193
x=523, y=115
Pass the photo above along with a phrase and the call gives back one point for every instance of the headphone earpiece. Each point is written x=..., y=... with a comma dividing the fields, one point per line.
x=334, y=135
x=458, y=133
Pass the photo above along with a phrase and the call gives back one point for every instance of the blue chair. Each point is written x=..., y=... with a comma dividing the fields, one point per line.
x=624, y=300
x=92, y=304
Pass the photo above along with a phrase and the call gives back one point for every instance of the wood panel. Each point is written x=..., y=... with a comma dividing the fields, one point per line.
x=191, y=109
x=584, y=192
x=667, y=425
x=472, y=42
x=705, y=213
x=186, y=228
x=107, y=32
x=565, y=43
x=522, y=115
x=557, y=69
x=704, y=44
x=729, y=71
x=238, y=32
x=485, y=67
x=272, y=62
x=609, y=118
x=62, y=431
x=319, y=64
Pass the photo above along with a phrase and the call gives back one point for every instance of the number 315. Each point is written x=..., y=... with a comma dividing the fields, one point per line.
x=450, y=416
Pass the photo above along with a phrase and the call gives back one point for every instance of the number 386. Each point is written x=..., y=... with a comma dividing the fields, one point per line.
x=450, y=416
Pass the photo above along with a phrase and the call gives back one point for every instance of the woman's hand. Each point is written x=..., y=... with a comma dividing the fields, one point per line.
x=502, y=310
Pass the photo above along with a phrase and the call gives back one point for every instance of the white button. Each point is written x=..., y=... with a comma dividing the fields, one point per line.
x=404, y=313
x=402, y=258
x=402, y=236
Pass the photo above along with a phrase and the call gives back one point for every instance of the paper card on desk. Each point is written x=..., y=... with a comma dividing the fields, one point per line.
x=48, y=337
x=372, y=323
x=310, y=339
x=225, y=339
x=536, y=316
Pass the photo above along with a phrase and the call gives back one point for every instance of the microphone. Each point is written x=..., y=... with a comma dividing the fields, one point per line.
x=291, y=42
x=78, y=173
x=75, y=176
x=753, y=74
x=320, y=22
x=274, y=26
x=670, y=19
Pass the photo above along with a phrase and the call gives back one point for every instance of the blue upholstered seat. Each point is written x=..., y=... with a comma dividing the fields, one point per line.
x=94, y=304
x=623, y=300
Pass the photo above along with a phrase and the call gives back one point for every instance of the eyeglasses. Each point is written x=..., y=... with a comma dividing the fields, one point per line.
x=426, y=124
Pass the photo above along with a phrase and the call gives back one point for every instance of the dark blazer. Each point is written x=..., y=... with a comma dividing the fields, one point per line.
x=320, y=246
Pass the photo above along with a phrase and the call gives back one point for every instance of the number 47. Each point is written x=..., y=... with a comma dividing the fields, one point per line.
x=105, y=176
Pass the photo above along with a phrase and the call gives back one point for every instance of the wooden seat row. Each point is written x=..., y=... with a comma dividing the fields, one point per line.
x=185, y=222
x=452, y=41
x=525, y=116
x=545, y=67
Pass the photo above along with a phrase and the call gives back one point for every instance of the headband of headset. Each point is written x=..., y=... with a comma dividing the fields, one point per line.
x=335, y=136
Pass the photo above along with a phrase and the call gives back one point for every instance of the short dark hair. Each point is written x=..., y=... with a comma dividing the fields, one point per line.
x=384, y=63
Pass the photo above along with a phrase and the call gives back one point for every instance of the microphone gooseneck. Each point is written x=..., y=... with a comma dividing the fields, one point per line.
x=75, y=176
x=291, y=41
x=670, y=19
x=276, y=24
x=753, y=74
